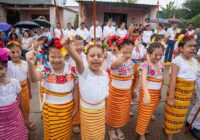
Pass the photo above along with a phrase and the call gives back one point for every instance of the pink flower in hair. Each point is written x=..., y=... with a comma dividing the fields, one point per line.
x=4, y=53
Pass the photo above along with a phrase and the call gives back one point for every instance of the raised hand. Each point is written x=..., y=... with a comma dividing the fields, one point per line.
x=31, y=56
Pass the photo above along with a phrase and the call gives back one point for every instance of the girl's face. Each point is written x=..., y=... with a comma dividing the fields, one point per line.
x=56, y=59
x=15, y=54
x=25, y=34
x=78, y=46
x=95, y=57
x=189, y=49
x=156, y=56
x=13, y=36
x=126, y=51
x=3, y=71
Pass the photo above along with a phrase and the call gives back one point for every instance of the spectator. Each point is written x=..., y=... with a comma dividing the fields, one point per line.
x=69, y=31
x=4, y=38
x=26, y=43
x=122, y=32
x=83, y=32
x=46, y=32
x=109, y=29
x=147, y=35
x=98, y=31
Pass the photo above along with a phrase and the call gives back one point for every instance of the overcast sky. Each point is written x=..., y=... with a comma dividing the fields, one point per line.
x=162, y=2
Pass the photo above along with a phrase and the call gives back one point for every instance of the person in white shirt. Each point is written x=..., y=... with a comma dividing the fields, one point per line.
x=83, y=32
x=57, y=31
x=171, y=33
x=46, y=32
x=161, y=30
x=98, y=31
x=190, y=30
x=122, y=32
x=146, y=38
x=69, y=31
x=109, y=30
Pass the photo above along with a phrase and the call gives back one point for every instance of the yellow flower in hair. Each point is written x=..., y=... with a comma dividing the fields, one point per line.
x=14, y=42
x=180, y=38
x=63, y=51
x=153, y=39
x=88, y=45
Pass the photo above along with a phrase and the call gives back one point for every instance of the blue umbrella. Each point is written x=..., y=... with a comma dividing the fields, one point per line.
x=27, y=24
x=161, y=21
x=4, y=26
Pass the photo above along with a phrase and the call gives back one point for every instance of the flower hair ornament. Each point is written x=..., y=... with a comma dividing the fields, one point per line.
x=12, y=42
x=123, y=39
x=4, y=54
x=113, y=39
x=182, y=37
x=47, y=43
x=91, y=44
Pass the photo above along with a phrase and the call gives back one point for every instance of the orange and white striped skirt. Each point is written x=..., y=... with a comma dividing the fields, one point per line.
x=118, y=107
x=57, y=121
x=146, y=111
x=25, y=98
x=92, y=123
x=76, y=118
x=174, y=116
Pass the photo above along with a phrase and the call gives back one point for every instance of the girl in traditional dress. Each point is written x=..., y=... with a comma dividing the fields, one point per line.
x=195, y=129
x=18, y=69
x=118, y=103
x=182, y=82
x=152, y=74
x=78, y=46
x=93, y=85
x=60, y=89
x=138, y=56
x=12, y=122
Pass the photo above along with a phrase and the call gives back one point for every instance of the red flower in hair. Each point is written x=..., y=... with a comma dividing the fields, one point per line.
x=56, y=43
x=121, y=40
x=112, y=39
x=187, y=36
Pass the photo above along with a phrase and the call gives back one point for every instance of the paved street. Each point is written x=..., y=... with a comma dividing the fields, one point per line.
x=155, y=128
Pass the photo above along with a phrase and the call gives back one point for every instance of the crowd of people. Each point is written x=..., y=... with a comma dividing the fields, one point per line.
x=87, y=82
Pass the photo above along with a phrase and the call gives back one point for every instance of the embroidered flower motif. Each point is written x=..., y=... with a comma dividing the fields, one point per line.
x=123, y=70
x=61, y=79
x=152, y=72
x=73, y=69
x=51, y=79
x=163, y=69
x=108, y=70
x=159, y=72
x=143, y=66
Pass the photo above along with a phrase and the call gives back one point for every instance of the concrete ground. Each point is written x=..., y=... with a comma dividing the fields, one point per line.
x=155, y=127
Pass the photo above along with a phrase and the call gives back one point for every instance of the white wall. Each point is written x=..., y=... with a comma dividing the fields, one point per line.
x=68, y=16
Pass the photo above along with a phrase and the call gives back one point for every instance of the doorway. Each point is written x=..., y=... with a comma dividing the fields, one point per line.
x=118, y=18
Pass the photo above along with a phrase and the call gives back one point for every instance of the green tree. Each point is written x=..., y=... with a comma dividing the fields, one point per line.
x=192, y=7
x=169, y=10
x=129, y=1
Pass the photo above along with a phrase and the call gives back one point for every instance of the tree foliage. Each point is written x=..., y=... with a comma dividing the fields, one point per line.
x=169, y=10
x=192, y=7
